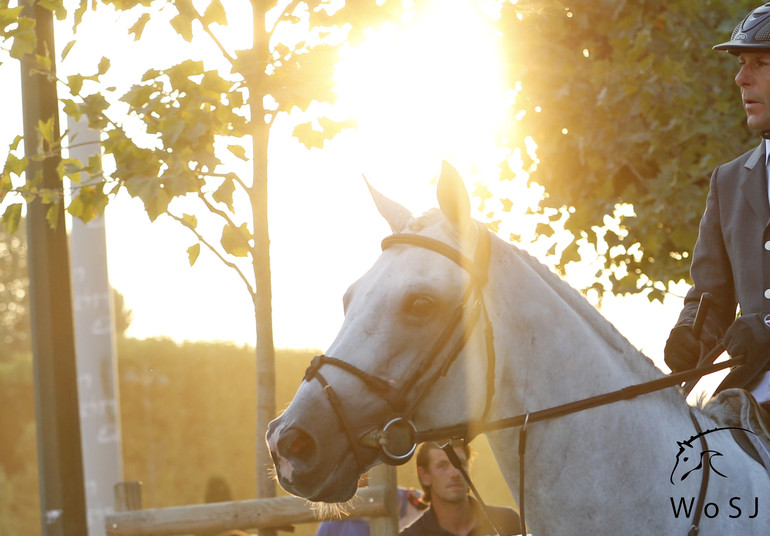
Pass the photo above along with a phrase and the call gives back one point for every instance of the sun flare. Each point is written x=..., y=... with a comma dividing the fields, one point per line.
x=428, y=89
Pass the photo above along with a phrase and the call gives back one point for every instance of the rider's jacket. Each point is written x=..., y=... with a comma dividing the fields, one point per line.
x=731, y=259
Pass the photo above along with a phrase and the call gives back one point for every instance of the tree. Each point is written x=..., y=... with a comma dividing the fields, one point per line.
x=629, y=107
x=184, y=113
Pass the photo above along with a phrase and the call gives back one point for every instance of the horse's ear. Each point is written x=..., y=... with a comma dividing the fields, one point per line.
x=397, y=216
x=452, y=196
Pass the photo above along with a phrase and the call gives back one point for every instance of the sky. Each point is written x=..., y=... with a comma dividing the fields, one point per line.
x=420, y=96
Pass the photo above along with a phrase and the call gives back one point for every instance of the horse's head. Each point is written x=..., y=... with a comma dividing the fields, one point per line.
x=414, y=321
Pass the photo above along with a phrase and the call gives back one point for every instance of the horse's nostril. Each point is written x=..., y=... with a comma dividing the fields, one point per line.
x=296, y=445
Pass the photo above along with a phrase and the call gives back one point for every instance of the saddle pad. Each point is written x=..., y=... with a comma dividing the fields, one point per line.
x=738, y=407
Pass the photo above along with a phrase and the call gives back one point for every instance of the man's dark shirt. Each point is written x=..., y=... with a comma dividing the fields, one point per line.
x=506, y=519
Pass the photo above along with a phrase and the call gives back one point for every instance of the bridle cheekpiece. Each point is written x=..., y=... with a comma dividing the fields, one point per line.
x=397, y=437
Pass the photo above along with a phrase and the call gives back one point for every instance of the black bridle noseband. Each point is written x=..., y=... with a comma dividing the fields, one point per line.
x=396, y=437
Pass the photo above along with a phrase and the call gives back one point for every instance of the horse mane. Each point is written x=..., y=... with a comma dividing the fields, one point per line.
x=571, y=296
x=588, y=312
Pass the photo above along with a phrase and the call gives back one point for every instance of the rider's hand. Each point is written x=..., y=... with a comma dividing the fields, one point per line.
x=749, y=336
x=682, y=349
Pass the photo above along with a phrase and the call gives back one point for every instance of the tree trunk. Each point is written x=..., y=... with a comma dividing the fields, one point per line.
x=261, y=256
x=60, y=459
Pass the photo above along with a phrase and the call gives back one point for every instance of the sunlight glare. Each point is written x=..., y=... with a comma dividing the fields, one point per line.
x=428, y=90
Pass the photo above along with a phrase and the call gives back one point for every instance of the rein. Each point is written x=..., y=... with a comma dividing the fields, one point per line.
x=471, y=429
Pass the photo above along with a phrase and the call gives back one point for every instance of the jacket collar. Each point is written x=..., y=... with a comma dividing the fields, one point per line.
x=754, y=183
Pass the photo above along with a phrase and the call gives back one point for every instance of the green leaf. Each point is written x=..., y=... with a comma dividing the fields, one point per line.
x=215, y=14
x=70, y=167
x=43, y=62
x=24, y=39
x=16, y=141
x=190, y=221
x=72, y=109
x=75, y=83
x=138, y=27
x=183, y=26
x=149, y=190
x=80, y=11
x=104, y=65
x=11, y=217
x=54, y=6
x=235, y=240
x=180, y=73
x=67, y=49
x=238, y=151
x=77, y=208
x=193, y=252
x=52, y=215
x=16, y=165
x=310, y=136
x=45, y=130
x=94, y=106
x=224, y=194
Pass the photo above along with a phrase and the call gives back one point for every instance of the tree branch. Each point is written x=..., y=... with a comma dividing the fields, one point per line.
x=213, y=209
x=287, y=11
x=222, y=49
x=216, y=252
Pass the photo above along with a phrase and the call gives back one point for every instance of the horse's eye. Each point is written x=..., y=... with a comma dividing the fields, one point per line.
x=420, y=306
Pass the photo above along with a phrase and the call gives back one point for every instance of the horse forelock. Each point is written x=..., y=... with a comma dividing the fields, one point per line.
x=435, y=218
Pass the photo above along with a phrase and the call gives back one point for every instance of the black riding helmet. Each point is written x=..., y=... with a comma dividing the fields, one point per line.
x=752, y=34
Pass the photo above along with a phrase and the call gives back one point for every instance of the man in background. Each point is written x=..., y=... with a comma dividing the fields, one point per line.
x=452, y=511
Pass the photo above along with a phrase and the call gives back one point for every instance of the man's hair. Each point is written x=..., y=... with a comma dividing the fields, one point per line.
x=422, y=459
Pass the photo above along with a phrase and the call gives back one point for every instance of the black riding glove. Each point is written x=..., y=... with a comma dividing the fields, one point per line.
x=749, y=336
x=682, y=349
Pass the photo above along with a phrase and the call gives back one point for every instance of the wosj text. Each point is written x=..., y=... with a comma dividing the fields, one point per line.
x=735, y=508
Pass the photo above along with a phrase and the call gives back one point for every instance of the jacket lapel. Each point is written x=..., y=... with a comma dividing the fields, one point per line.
x=754, y=183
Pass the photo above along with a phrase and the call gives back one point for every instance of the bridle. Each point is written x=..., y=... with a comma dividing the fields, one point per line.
x=397, y=439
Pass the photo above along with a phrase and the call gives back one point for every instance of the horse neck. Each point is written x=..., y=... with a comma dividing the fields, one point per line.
x=556, y=348
x=546, y=331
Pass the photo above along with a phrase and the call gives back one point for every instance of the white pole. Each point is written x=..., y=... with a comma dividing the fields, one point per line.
x=95, y=348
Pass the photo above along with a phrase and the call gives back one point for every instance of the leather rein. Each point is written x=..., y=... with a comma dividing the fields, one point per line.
x=398, y=438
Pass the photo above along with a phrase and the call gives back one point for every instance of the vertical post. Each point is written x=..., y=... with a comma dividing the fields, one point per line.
x=385, y=475
x=62, y=495
x=128, y=496
x=95, y=345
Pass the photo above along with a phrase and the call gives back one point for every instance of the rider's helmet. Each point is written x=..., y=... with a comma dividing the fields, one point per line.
x=752, y=34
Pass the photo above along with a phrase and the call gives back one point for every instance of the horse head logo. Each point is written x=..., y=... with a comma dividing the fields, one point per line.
x=691, y=458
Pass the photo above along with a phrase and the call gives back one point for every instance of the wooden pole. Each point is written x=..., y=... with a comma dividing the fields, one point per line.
x=60, y=465
x=218, y=517
x=384, y=476
x=128, y=496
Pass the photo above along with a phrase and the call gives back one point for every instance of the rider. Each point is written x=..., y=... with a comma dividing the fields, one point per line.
x=731, y=259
